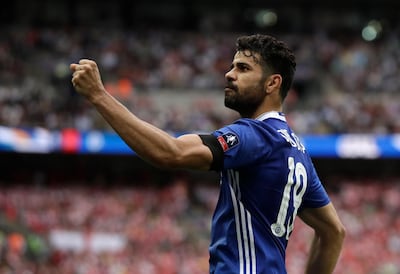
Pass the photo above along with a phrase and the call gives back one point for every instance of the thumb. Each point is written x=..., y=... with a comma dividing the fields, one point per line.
x=72, y=67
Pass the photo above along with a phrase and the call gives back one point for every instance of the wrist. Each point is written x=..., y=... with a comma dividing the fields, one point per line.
x=97, y=97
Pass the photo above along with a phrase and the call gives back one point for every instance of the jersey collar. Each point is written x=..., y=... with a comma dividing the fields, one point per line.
x=272, y=114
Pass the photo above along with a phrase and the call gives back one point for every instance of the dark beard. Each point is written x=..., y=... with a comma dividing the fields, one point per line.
x=246, y=102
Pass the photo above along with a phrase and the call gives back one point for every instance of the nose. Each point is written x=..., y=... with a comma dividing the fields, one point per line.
x=230, y=75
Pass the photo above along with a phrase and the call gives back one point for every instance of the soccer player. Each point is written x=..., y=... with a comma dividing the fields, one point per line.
x=267, y=176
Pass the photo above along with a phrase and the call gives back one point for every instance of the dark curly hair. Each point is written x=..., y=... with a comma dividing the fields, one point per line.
x=276, y=57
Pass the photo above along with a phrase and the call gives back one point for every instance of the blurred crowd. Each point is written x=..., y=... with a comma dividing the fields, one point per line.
x=164, y=231
x=166, y=228
x=343, y=84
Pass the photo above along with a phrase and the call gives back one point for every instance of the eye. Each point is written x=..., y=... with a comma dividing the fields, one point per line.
x=243, y=67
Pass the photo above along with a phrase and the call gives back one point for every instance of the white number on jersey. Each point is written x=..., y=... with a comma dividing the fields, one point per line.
x=294, y=190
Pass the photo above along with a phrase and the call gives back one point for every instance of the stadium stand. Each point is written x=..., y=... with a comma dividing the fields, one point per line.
x=343, y=85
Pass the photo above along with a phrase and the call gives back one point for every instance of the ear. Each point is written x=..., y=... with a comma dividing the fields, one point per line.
x=273, y=83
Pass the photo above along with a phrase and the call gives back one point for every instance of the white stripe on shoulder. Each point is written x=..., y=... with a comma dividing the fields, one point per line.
x=272, y=114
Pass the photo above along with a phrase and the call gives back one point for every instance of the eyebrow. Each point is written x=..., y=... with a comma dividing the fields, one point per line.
x=240, y=64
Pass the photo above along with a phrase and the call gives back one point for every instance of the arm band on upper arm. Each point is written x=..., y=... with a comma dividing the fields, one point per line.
x=218, y=154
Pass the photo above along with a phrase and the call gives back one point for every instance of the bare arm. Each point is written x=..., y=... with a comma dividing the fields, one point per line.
x=149, y=142
x=328, y=238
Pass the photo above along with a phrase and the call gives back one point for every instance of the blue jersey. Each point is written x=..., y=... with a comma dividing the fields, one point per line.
x=267, y=178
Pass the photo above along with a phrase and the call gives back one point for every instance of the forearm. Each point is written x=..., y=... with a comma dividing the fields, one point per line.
x=323, y=255
x=149, y=142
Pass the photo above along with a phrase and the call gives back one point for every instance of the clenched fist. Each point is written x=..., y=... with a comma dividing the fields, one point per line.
x=86, y=79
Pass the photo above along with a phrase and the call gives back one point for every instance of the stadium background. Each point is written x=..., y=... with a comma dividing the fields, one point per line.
x=73, y=199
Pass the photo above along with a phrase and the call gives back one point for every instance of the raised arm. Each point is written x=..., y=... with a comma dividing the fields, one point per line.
x=328, y=238
x=149, y=142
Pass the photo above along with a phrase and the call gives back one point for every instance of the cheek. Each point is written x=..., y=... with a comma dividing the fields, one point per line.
x=251, y=87
x=245, y=83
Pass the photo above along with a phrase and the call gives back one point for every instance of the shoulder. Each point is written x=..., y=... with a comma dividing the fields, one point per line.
x=239, y=130
x=243, y=135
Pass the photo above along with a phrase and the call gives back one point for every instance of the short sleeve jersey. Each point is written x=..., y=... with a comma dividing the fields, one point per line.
x=267, y=178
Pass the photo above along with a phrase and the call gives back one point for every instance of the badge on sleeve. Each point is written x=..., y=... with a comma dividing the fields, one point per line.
x=228, y=140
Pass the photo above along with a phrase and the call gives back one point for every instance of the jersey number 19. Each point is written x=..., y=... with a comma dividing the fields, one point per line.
x=294, y=190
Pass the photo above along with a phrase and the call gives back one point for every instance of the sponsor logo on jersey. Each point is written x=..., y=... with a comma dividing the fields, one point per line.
x=228, y=140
